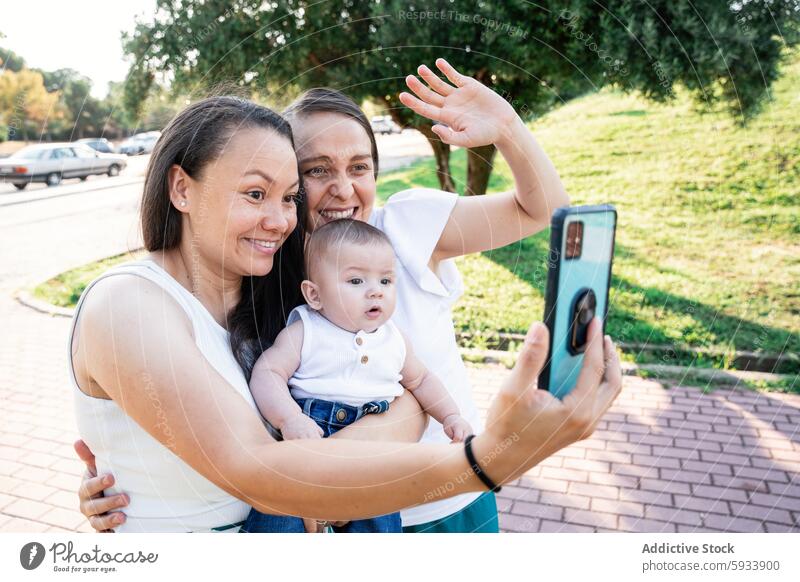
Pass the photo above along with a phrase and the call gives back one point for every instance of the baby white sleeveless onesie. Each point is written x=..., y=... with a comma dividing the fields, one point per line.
x=340, y=366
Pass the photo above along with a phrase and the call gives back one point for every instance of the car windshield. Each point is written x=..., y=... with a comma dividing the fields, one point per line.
x=30, y=153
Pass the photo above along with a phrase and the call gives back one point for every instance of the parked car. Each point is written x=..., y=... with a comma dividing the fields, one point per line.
x=141, y=143
x=100, y=144
x=53, y=162
x=384, y=124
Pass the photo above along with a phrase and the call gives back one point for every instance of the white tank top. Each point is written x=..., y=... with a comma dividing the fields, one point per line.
x=166, y=494
x=341, y=366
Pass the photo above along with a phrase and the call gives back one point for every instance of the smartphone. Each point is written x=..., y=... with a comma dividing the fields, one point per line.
x=578, y=279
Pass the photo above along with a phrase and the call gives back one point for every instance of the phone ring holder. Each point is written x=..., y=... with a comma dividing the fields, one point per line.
x=584, y=305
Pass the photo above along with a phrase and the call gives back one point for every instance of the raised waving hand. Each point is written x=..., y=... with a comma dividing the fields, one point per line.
x=467, y=112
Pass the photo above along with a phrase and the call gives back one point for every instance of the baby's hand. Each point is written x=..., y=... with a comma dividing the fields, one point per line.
x=456, y=428
x=300, y=427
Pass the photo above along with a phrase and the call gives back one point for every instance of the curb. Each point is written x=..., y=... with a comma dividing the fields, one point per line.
x=28, y=300
x=654, y=371
x=711, y=375
x=125, y=182
x=740, y=359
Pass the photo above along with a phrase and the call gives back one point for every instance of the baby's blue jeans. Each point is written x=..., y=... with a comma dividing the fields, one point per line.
x=330, y=417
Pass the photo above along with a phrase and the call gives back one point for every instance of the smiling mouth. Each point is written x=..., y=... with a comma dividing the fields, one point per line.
x=267, y=244
x=264, y=246
x=338, y=214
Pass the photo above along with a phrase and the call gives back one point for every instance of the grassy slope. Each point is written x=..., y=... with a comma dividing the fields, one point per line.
x=65, y=289
x=708, y=252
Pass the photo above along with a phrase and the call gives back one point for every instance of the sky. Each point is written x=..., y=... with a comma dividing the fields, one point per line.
x=79, y=34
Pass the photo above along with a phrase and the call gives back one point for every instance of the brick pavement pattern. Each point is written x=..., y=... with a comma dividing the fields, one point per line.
x=662, y=460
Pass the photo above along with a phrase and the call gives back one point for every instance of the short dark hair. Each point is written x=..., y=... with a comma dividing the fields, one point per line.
x=327, y=100
x=331, y=236
x=192, y=140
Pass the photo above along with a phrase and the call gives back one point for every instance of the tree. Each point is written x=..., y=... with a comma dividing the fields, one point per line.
x=26, y=108
x=83, y=115
x=159, y=108
x=10, y=61
x=535, y=54
x=115, y=119
x=59, y=105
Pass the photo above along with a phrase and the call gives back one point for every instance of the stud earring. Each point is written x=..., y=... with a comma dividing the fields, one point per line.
x=183, y=203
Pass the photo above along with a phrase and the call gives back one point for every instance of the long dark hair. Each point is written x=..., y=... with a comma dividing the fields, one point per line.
x=193, y=139
x=327, y=100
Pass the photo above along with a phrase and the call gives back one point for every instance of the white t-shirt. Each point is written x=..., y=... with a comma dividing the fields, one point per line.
x=414, y=221
x=341, y=366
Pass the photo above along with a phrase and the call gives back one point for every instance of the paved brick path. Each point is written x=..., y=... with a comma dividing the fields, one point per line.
x=667, y=460
x=662, y=460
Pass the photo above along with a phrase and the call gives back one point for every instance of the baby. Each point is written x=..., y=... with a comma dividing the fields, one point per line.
x=341, y=356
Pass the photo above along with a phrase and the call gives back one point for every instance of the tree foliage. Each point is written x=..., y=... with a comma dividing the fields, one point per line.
x=59, y=105
x=537, y=55
x=10, y=61
x=26, y=108
x=82, y=115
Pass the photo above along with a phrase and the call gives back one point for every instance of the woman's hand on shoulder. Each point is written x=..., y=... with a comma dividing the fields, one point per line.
x=469, y=114
x=525, y=425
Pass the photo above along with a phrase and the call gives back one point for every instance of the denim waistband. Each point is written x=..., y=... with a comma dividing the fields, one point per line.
x=336, y=415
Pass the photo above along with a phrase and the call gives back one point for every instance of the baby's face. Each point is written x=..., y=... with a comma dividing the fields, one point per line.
x=356, y=286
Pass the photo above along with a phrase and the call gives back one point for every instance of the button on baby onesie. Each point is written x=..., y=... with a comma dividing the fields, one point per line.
x=348, y=367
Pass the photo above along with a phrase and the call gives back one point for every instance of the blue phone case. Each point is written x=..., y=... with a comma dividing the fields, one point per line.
x=567, y=278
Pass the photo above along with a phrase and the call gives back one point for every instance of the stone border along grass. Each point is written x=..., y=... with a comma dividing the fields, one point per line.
x=738, y=360
x=706, y=378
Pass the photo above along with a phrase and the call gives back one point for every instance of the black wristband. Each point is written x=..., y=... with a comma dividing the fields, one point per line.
x=476, y=467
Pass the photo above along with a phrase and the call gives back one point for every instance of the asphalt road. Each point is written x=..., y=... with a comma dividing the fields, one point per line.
x=45, y=231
